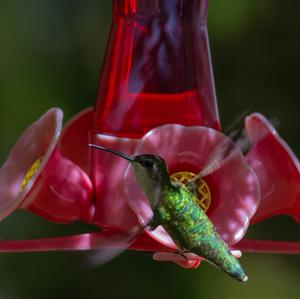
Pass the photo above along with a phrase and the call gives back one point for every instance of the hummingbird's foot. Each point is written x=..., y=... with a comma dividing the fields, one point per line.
x=151, y=225
x=182, y=254
x=184, y=260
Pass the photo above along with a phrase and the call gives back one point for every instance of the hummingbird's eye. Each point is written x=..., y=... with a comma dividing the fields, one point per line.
x=147, y=164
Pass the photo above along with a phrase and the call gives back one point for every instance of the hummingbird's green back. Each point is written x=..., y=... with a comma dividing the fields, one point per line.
x=192, y=230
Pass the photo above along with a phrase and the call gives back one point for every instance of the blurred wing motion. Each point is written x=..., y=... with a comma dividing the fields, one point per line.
x=224, y=151
x=237, y=141
x=113, y=246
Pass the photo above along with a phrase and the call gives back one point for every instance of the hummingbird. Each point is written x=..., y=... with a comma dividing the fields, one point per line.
x=175, y=208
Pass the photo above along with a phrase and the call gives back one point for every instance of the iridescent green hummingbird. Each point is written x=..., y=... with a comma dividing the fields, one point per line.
x=175, y=208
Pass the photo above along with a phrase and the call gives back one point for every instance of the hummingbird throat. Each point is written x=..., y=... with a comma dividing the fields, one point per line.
x=203, y=191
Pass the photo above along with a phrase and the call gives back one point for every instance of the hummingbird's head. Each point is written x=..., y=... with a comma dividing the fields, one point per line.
x=152, y=175
x=150, y=170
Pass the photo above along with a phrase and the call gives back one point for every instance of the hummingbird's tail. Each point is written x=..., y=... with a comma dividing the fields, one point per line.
x=218, y=254
x=238, y=272
x=231, y=266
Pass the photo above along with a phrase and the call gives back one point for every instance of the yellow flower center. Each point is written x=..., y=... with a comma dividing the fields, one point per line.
x=30, y=173
x=203, y=191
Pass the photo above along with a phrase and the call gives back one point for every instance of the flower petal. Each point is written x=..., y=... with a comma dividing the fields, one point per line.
x=234, y=186
x=277, y=168
x=58, y=189
x=38, y=140
x=75, y=138
x=62, y=192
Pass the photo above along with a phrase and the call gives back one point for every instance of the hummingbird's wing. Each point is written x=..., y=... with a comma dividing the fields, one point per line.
x=115, y=245
x=221, y=154
x=236, y=141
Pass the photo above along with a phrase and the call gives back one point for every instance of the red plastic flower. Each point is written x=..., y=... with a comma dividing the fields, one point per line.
x=277, y=168
x=38, y=178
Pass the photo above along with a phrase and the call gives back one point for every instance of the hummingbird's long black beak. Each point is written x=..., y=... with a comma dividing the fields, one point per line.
x=117, y=153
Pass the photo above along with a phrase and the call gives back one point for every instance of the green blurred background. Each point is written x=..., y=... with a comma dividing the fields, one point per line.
x=50, y=55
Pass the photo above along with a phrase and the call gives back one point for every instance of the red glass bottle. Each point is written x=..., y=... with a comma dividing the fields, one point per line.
x=156, y=71
x=157, y=68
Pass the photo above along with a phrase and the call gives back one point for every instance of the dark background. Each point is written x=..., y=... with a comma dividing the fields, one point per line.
x=50, y=55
